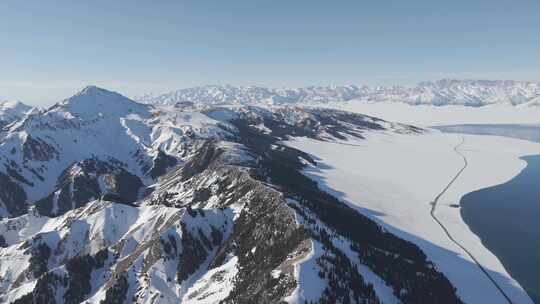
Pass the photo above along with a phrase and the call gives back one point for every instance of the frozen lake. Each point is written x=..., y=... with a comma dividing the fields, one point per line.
x=506, y=217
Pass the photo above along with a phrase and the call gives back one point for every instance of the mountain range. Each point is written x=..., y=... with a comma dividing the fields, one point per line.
x=107, y=200
x=440, y=93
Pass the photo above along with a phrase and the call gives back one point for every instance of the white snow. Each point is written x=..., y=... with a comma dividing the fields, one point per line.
x=429, y=115
x=13, y=110
x=393, y=178
x=215, y=285
x=17, y=229
x=309, y=285
x=20, y=291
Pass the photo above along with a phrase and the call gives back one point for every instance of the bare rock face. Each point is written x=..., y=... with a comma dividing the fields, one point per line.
x=89, y=180
x=38, y=150
x=161, y=164
x=12, y=196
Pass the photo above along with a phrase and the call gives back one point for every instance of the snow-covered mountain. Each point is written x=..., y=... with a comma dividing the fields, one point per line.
x=11, y=111
x=461, y=92
x=439, y=93
x=108, y=133
x=105, y=200
x=219, y=95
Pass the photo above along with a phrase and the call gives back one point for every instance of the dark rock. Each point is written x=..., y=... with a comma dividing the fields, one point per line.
x=13, y=196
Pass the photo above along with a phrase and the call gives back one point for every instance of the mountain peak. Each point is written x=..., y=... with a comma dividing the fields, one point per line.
x=12, y=110
x=93, y=100
x=93, y=90
x=13, y=104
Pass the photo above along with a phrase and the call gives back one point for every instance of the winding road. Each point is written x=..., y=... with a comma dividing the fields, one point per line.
x=441, y=224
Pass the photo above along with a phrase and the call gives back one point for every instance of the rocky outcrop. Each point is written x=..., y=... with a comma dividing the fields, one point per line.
x=37, y=149
x=12, y=197
x=87, y=180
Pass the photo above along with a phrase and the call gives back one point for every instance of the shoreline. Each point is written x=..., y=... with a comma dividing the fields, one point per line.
x=380, y=181
x=510, y=200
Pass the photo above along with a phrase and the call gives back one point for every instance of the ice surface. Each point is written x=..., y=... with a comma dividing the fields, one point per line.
x=393, y=178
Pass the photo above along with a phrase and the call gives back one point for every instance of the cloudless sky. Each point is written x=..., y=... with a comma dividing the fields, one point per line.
x=50, y=49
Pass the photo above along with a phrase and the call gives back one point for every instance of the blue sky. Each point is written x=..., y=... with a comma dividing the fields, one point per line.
x=50, y=49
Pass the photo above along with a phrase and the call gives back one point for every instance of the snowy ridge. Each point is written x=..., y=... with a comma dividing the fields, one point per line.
x=443, y=92
x=11, y=111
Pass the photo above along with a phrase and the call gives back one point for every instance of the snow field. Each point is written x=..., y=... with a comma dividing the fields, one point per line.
x=393, y=178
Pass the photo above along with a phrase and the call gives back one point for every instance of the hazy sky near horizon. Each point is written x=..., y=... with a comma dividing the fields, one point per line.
x=50, y=49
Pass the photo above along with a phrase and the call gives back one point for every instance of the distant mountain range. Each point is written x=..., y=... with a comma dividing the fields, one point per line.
x=443, y=92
